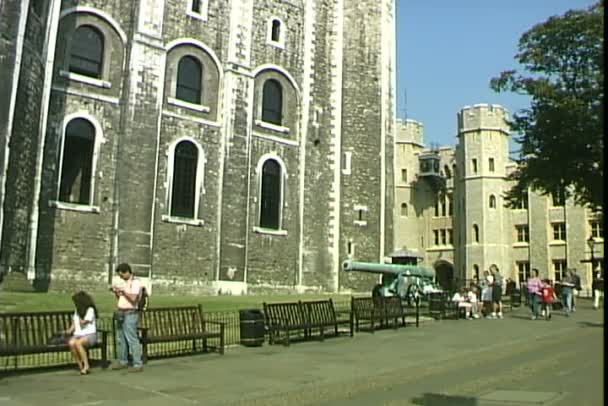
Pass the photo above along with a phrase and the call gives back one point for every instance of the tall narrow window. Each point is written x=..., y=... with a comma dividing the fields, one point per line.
x=492, y=202
x=450, y=205
x=276, y=31
x=436, y=237
x=270, y=201
x=559, y=231
x=183, y=191
x=475, y=233
x=189, y=74
x=86, y=55
x=77, y=162
x=558, y=198
x=559, y=267
x=403, y=209
x=474, y=165
x=523, y=271
x=272, y=102
x=476, y=271
x=404, y=175
x=491, y=164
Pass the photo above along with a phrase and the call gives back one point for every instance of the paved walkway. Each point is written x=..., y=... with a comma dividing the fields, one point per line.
x=450, y=362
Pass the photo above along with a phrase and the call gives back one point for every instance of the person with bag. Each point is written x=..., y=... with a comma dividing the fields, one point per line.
x=83, y=330
x=535, y=286
x=127, y=320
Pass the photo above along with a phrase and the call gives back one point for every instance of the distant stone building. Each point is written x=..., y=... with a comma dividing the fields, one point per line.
x=449, y=206
x=224, y=146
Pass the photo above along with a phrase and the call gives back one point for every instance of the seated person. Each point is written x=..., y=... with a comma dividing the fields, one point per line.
x=464, y=306
x=472, y=299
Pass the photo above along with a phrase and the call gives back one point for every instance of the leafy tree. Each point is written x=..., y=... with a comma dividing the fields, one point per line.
x=562, y=132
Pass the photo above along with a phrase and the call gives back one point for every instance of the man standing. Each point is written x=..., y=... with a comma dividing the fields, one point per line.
x=496, y=292
x=127, y=319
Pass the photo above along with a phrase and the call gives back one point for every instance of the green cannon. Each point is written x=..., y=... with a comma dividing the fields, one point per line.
x=406, y=281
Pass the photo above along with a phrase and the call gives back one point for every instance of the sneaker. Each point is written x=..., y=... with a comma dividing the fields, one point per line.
x=533, y=318
x=136, y=369
x=500, y=316
x=117, y=366
x=475, y=316
x=490, y=317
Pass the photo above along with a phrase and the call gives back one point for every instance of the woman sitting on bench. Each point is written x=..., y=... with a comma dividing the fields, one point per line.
x=83, y=329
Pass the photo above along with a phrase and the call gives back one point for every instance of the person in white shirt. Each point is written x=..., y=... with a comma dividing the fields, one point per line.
x=83, y=329
x=472, y=299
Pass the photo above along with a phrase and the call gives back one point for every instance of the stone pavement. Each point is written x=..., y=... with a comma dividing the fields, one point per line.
x=515, y=361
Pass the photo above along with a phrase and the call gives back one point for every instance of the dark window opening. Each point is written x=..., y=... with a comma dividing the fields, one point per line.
x=270, y=210
x=76, y=168
x=86, y=57
x=276, y=30
x=196, y=6
x=272, y=102
x=189, y=74
x=184, y=180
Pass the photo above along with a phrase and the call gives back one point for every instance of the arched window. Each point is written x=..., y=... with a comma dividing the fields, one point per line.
x=476, y=271
x=86, y=56
x=475, y=233
x=270, y=199
x=492, y=202
x=404, y=209
x=77, y=162
x=183, y=184
x=276, y=31
x=189, y=74
x=272, y=102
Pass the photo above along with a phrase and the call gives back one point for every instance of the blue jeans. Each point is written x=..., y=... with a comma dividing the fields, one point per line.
x=535, y=304
x=567, y=299
x=128, y=340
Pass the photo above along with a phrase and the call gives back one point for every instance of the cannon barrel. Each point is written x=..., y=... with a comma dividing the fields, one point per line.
x=395, y=269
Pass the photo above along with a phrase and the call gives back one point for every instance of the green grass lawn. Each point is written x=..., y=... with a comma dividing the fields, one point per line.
x=106, y=302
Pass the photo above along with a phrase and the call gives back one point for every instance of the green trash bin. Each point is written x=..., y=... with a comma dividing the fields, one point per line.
x=252, y=327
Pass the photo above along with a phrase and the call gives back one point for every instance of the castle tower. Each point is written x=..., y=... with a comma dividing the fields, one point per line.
x=482, y=155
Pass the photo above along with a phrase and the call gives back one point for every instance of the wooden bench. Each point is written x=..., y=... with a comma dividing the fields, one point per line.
x=29, y=333
x=378, y=311
x=321, y=314
x=284, y=318
x=175, y=324
x=442, y=307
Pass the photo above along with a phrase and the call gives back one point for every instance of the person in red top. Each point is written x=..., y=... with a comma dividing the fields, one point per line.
x=548, y=294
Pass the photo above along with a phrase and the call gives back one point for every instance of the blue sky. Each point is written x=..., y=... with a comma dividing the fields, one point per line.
x=448, y=51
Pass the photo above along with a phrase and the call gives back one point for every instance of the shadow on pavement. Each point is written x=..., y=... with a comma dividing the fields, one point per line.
x=590, y=324
x=436, y=399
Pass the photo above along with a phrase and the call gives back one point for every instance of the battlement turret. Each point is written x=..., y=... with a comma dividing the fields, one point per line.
x=483, y=117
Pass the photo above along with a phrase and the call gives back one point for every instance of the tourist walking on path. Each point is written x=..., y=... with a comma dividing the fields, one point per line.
x=598, y=288
x=535, y=286
x=83, y=329
x=127, y=319
x=548, y=293
x=568, y=283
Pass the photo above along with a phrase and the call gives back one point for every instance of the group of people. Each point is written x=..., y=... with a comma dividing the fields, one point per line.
x=543, y=295
x=83, y=329
x=490, y=290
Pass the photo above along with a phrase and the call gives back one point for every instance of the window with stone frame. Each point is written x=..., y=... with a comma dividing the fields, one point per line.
x=183, y=183
x=87, y=52
x=597, y=229
x=492, y=202
x=189, y=80
x=450, y=198
x=475, y=233
x=450, y=236
x=275, y=35
x=491, y=164
x=523, y=271
x=474, y=165
x=77, y=162
x=436, y=237
x=523, y=233
x=559, y=269
x=271, y=195
x=523, y=202
x=559, y=231
x=272, y=102
x=443, y=234
x=403, y=209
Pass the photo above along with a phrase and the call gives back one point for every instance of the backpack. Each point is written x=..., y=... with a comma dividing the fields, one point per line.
x=144, y=300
